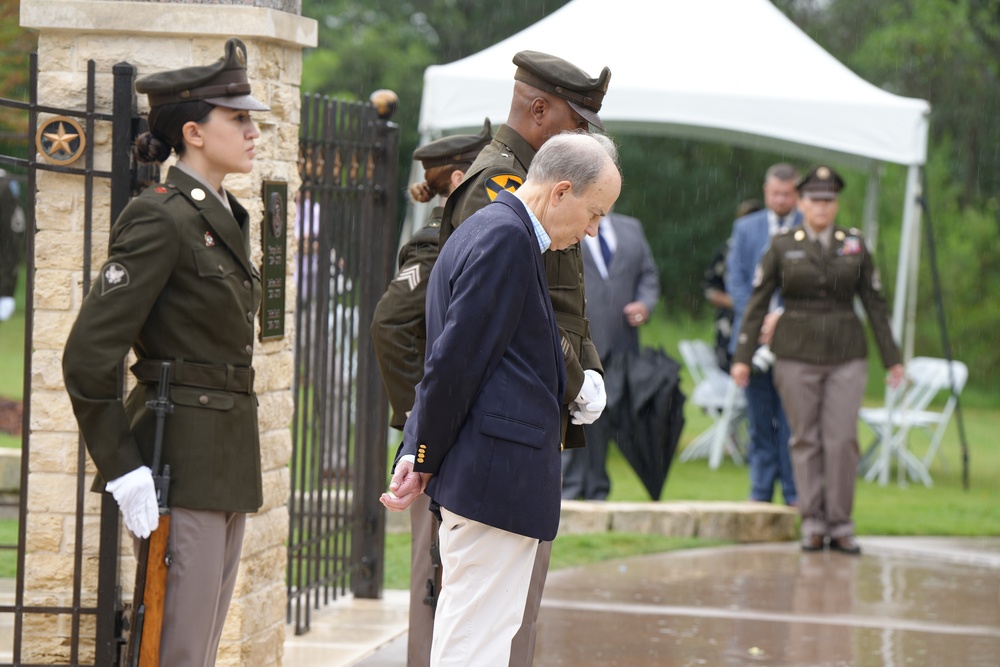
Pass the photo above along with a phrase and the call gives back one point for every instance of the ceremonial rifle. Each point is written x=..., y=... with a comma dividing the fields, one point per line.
x=152, y=561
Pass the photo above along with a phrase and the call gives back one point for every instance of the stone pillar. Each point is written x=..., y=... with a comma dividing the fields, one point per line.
x=154, y=36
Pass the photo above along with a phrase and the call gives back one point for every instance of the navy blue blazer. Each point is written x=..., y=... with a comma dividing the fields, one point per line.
x=486, y=419
x=750, y=240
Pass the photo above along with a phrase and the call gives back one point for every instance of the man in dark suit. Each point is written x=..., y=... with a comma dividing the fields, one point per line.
x=622, y=286
x=769, y=434
x=483, y=436
x=550, y=96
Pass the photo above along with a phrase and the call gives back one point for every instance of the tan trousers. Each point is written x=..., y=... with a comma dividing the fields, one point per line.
x=205, y=552
x=423, y=531
x=423, y=527
x=484, y=587
x=821, y=402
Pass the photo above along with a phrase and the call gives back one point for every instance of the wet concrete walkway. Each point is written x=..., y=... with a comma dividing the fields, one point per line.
x=905, y=602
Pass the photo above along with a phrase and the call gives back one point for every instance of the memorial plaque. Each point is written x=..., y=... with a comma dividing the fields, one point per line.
x=273, y=243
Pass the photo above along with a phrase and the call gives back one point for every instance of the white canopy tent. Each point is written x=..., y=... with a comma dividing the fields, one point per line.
x=728, y=71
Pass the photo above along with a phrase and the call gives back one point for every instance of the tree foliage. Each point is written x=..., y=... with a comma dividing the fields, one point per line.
x=15, y=46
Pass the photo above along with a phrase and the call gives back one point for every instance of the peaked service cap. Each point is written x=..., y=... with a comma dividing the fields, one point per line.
x=820, y=183
x=563, y=78
x=223, y=83
x=454, y=149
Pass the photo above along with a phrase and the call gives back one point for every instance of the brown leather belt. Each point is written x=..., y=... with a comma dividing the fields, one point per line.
x=573, y=324
x=203, y=376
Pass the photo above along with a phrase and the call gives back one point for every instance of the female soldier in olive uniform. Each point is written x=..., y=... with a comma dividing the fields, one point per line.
x=822, y=366
x=400, y=335
x=179, y=287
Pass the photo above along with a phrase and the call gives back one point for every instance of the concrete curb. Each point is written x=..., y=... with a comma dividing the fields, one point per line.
x=743, y=522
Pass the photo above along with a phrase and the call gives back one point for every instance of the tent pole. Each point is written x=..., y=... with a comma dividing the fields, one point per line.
x=914, y=274
x=870, y=215
x=910, y=212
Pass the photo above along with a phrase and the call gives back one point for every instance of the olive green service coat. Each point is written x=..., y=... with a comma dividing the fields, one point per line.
x=178, y=285
x=503, y=165
x=399, y=328
x=818, y=286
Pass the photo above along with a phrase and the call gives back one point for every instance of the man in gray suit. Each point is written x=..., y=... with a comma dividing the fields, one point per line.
x=622, y=286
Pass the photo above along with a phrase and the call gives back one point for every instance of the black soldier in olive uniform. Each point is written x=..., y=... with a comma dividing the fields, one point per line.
x=400, y=335
x=178, y=286
x=550, y=96
x=819, y=342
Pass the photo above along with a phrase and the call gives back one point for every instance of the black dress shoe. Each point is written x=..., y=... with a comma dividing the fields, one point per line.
x=812, y=543
x=845, y=545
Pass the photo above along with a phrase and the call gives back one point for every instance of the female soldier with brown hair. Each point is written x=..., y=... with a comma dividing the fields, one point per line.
x=179, y=288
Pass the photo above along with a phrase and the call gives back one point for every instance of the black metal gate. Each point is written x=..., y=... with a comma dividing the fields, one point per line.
x=93, y=621
x=345, y=226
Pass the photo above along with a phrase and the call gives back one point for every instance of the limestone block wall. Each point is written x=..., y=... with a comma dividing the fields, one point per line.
x=152, y=37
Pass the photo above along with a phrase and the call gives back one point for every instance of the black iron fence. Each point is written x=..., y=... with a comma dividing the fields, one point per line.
x=345, y=230
x=93, y=620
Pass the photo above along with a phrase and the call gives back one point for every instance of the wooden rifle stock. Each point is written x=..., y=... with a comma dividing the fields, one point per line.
x=154, y=595
x=153, y=560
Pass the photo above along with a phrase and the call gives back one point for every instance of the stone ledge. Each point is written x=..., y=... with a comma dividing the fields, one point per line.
x=742, y=522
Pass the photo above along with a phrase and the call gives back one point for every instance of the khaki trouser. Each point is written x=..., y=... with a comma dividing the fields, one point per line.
x=486, y=576
x=821, y=402
x=204, y=548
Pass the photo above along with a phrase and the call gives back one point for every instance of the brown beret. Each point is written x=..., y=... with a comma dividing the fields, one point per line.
x=454, y=149
x=562, y=78
x=223, y=83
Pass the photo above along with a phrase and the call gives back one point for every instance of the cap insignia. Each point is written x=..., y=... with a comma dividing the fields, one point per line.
x=823, y=173
x=209, y=239
x=241, y=57
x=198, y=194
x=799, y=235
x=508, y=182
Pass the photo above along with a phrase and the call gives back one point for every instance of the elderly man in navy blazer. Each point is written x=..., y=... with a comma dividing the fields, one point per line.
x=768, y=458
x=483, y=437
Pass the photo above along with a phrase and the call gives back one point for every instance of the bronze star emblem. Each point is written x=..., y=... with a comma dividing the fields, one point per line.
x=61, y=140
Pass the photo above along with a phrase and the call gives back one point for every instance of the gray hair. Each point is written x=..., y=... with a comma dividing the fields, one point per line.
x=782, y=171
x=577, y=157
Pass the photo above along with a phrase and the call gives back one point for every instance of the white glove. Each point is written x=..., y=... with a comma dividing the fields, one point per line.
x=6, y=307
x=589, y=405
x=136, y=497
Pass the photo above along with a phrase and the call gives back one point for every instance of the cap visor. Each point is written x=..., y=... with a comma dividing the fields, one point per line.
x=589, y=114
x=821, y=194
x=246, y=102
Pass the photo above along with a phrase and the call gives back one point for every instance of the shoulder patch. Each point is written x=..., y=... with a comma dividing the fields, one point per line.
x=409, y=276
x=113, y=276
x=508, y=182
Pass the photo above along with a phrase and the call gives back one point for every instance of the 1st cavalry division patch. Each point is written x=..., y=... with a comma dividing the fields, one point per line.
x=508, y=182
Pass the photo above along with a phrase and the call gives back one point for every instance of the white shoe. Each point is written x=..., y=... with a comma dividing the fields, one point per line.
x=6, y=307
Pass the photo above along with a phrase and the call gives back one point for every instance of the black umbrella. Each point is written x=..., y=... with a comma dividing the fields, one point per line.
x=646, y=408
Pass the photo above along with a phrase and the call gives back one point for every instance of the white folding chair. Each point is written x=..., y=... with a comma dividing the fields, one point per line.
x=926, y=377
x=719, y=397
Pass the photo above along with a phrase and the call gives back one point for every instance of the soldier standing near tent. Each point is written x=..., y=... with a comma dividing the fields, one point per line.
x=550, y=96
x=822, y=357
x=400, y=336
